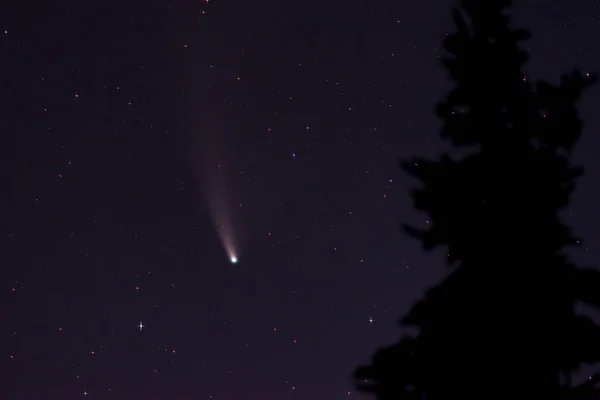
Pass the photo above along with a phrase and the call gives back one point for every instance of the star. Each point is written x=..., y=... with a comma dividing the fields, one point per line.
x=141, y=326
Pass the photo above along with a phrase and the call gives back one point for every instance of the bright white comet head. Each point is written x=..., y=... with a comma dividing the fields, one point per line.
x=228, y=246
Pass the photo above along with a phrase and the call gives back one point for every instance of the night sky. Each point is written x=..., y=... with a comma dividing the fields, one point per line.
x=145, y=143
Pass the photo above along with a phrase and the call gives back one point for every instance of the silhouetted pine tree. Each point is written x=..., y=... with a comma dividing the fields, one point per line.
x=503, y=323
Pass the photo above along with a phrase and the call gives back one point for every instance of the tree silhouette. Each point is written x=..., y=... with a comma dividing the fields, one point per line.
x=503, y=323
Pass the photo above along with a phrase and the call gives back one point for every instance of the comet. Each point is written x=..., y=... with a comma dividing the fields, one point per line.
x=214, y=165
x=228, y=244
x=219, y=196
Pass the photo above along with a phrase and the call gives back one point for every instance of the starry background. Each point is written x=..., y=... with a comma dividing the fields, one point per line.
x=131, y=131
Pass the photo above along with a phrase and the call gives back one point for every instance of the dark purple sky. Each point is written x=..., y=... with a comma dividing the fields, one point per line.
x=115, y=118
